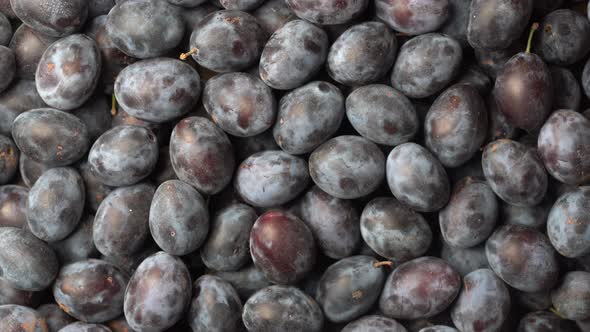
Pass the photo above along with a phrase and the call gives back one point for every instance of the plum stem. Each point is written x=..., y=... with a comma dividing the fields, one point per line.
x=534, y=28
x=384, y=263
x=556, y=312
x=113, y=105
x=184, y=56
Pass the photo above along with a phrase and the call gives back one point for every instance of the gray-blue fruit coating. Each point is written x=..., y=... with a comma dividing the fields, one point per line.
x=523, y=257
x=227, y=41
x=50, y=136
x=91, y=290
x=495, y=25
x=158, y=90
x=145, y=28
x=416, y=178
x=420, y=288
x=121, y=224
x=187, y=3
x=57, y=18
x=179, y=219
x=563, y=37
x=328, y=12
x=9, y=156
x=465, y=260
x=545, y=321
x=68, y=72
x=456, y=25
x=7, y=67
x=202, y=155
x=13, y=206
x=26, y=262
x=567, y=93
x=85, y=327
x=20, y=318
x=568, y=223
x=347, y=167
x=215, y=306
x=571, y=298
x=158, y=293
x=308, y=116
x=426, y=64
x=124, y=155
x=382, y=114
x=394, y=231
x=240, y=103
x=246, y=281
x=96, y=191
x=456, y=125
x=55, y=317
x=55, y=204
x=515, y=172
x=483, y=303
x=6, y=30
x=96, y=115
x=471, y=214
x=349, y=288
x=79, y=245
x=293, y=55
x=413, y=17
x=374, y=323
x=245, y=5
x=563, y=143
x=271, y=178
x=334, y=222
x=273, y=14
x=226, y=248
x=28, y=46
x=282, y=308
x=362, y=54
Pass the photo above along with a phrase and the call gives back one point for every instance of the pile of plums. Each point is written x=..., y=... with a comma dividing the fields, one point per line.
x=294, y=165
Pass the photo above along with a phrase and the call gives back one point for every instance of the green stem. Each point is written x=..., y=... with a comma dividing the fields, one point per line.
x=534, y=28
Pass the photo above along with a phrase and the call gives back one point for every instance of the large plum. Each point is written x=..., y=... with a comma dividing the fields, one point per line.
x=568, y=223
x=571, y=298
x=215, y=306
x=28, y=46
x=413, y=17
x=57, y=18
x=273, y=14
x=564, y=37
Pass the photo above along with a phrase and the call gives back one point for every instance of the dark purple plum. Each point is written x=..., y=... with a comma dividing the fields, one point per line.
x=121, y=224
x=271, y=178
x=273, y=14
x=456, y=25
x=18, y=246
x=483, y=303
x=68, y=72
x=96, y=115
x=545, y=321
x=215, y=306
x=564, y=37
x=57, y=18
x=30, y=170
x=308, y=116
x=282, y=247
x=496, y=24
x=124, y=155
x=85, y=327
x=523, y=257
x=7, y=67
x=282, y=308
x=349, y=288
x=374, y=323
x=50, y=136
x=245, y=5
x=28, y=46
x=471, y=215
x=465, y=260
x=11, y=295
x=347, y=167
x=240, y=103
x=158, y=293
x=362, y=54
x=96, y=191
x=571, y=298
x=227, y=41
x=179, y=220
x=420, y=288
x=79, y=245
x=55, y=204
x=16, y=318
x=227, y=245
x=416, y=178
x=158, y=90
x=9, y=157
x=568, y=223
x=145, y=28
x=293, y=55
x=498, y=125
x=55, y=317
x=515, y=172
x=394, y=231
x=202, y=155
x=21, y=96
x=90, y=290
x=456, y=125
x=328, y=12
x=426, y=64
x=413, y=17
x=6, y=30
x=246, y=281
x=382, y=114
x=563, y=144
x=13, y=206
